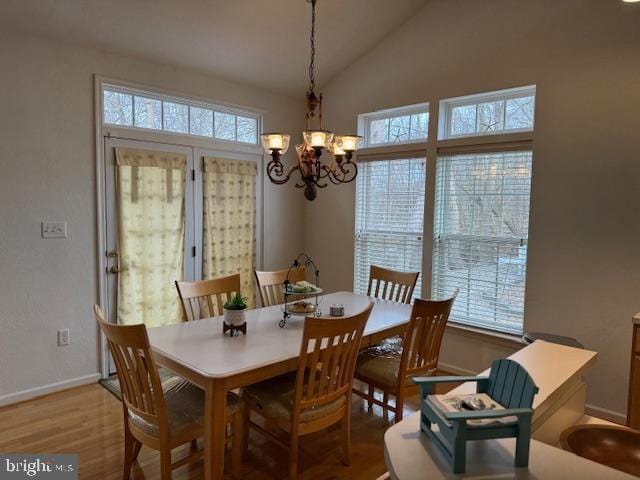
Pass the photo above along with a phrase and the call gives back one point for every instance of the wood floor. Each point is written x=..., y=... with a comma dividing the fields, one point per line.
x=88, y=421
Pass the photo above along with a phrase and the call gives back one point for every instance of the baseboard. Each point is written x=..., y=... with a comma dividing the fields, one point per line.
x=446, y=367
x=32, y=393
x=605, y=413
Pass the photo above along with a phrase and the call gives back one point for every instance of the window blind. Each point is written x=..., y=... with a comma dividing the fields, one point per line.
x=389, y=218
x=481, y=231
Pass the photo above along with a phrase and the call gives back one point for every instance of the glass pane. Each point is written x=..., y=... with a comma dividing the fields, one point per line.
x=118, y=108
x=225, y=126
x=399, y=129
x=201, y=120
x=379, y=131
x=520, y=113
x=463, y=120
x=176, y=117
x=247, y=130
x=148, y=113
x=389, y=217
x=419, y=126
x=491, y=117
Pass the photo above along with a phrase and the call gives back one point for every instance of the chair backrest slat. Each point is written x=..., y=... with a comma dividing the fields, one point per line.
x=270, y=284
x=327, y=359
x=198, y=297
x=396, y=286
x=510, y=384
x=140, y=384
x=423, y=337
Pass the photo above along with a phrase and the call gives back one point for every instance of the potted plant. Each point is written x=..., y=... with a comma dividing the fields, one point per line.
x=234, y=310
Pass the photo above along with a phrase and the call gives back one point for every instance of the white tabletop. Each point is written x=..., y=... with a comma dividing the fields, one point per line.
x=410, y=455
x=201, y=346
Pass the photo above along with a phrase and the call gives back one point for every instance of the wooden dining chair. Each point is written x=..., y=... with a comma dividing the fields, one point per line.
x=318, y=394
x=391, y=285
x=270, y=284
x=390, y=365
x=206, y=298
x=159, y=415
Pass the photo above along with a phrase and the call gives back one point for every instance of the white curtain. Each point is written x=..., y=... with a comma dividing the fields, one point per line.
x=150, y=200
x=229, y=222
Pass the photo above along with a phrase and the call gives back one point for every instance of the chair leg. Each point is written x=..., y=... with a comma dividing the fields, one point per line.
x=459, y=455
x=293, y=456
x=136, y=450
x=399, y=407
x=522, y=444
x=385, y=400
x=346, y=439
x=237, y=444
x=370, y=393
x=246, y=417
x=165, y=464
x=129, y=447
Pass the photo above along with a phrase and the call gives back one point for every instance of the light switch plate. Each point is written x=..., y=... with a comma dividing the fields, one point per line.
x=54, y=229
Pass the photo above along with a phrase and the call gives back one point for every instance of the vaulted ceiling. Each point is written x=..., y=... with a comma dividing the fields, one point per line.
x=259, y=42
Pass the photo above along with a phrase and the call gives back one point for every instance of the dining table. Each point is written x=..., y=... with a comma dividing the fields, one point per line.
x=216, y=362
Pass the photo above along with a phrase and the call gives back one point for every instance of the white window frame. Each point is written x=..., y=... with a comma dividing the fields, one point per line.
x=129, y=89
x=447, y=106
x=480, y=142
x=365, y=119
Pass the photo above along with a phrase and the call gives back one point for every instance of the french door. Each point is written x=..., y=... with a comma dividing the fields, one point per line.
x=153, y=226
x=150, y=229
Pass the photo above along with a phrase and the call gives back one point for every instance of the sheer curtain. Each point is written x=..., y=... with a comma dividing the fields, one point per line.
x=150, y=190
x=229, y=221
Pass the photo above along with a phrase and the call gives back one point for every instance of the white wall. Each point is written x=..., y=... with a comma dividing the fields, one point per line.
x=47, y=172
x=584, y=267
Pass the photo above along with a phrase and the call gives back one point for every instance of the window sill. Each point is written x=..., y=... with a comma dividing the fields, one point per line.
x=498, y=338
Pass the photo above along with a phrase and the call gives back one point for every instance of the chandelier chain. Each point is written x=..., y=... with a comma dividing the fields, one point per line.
x=312, y=77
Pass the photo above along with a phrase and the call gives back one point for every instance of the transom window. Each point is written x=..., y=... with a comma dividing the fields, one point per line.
x=505, y=111
x=137, y=109
x=393, y=126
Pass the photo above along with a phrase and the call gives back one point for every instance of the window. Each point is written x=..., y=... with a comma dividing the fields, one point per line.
x=481, y=231
x=389, y=218
x=129, y=108
x=505, y=111
x=397, y=125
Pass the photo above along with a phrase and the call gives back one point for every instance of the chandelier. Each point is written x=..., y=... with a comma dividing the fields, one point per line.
x=313, y=172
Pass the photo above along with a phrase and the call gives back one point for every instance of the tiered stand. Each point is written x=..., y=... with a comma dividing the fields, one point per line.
x=302, y=260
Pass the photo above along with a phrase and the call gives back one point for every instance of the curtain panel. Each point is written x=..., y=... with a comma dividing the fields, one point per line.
x=229, y=221
x=150, y=191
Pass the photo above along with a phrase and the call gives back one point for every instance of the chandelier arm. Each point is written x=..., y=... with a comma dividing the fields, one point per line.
x=275, y=172
x=330, y=174
x=348, y=174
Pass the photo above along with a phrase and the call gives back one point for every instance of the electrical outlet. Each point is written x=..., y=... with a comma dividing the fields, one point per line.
x=54, y=229
x=63, y=337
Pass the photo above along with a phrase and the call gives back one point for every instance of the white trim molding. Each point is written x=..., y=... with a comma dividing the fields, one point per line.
x=32, y=393
x=606, y=414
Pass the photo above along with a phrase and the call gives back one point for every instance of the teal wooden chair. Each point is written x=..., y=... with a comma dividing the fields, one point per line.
x=510, y=385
